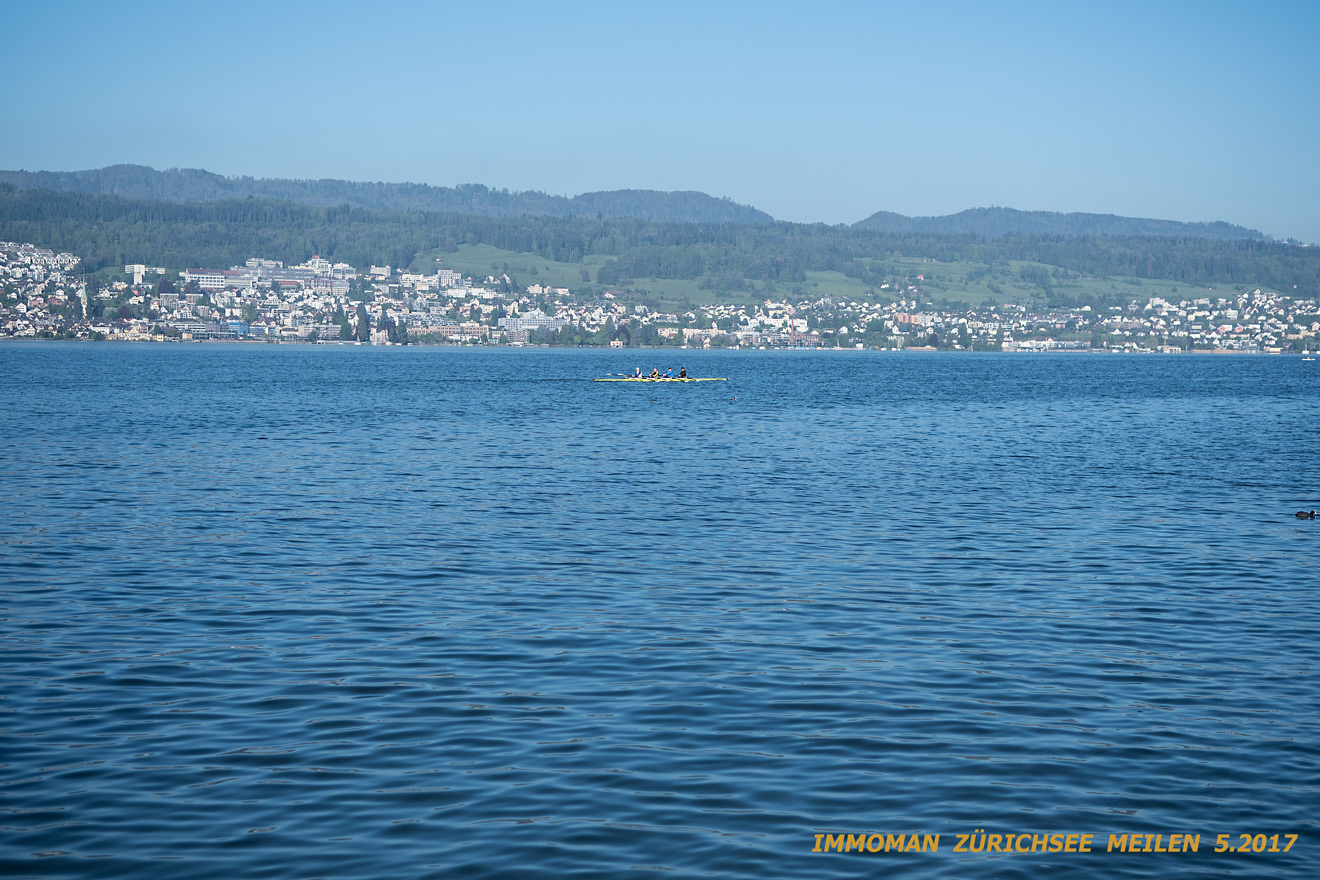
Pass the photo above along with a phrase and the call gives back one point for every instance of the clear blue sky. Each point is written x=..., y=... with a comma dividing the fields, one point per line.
x=810, y=111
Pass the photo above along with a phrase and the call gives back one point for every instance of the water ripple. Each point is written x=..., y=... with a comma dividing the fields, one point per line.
x=293, y=612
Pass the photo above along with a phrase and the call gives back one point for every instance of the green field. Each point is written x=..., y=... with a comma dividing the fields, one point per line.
x=976, y=283
x=951, y=283
x=480, y=260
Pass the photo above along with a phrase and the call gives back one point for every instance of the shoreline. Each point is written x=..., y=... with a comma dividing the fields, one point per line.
x=441, y=346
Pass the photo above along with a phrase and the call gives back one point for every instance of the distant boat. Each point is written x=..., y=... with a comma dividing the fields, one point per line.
x=661, y=379
x=1308, y=358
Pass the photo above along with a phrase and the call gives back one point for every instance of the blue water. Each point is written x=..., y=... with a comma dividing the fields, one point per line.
x=392, y=613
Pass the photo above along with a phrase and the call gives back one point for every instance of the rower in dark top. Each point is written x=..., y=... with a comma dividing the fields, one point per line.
x=682, y=372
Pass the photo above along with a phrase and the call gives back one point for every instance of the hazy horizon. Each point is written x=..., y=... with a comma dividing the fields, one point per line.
x=1191, y=112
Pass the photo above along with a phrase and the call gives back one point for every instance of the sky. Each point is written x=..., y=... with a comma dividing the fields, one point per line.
x=813, y=112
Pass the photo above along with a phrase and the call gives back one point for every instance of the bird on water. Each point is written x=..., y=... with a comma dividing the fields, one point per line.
x=1302, y=514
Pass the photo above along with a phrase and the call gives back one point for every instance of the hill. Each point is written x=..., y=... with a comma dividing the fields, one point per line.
x=998, y=222
x=725, y=260
x=196, y=185
x=189, y=185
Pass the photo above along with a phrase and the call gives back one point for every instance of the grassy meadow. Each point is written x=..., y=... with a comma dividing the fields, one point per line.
x=952, y=285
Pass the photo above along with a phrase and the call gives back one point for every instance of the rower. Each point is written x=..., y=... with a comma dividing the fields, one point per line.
x=637, y=373
x=655, y=374
x=682, y=372
x=669, y=373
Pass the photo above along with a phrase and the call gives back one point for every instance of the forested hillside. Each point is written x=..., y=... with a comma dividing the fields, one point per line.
x=109, y=231
x=996, y=222
x=195, y=185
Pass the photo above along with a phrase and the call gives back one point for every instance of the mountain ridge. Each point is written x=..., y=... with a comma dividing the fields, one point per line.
x=198, y=185
x=191, y=185
x=993, y=222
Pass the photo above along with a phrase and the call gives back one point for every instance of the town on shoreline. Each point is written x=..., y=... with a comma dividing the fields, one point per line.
x=45, y=296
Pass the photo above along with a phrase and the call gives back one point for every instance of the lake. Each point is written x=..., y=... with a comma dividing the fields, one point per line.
x=356, y=612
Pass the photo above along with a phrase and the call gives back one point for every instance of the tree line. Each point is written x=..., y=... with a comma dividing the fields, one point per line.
x=196, y=185
x=108, y=231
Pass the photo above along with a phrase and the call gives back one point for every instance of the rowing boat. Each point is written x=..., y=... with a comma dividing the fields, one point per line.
x=661, y=379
